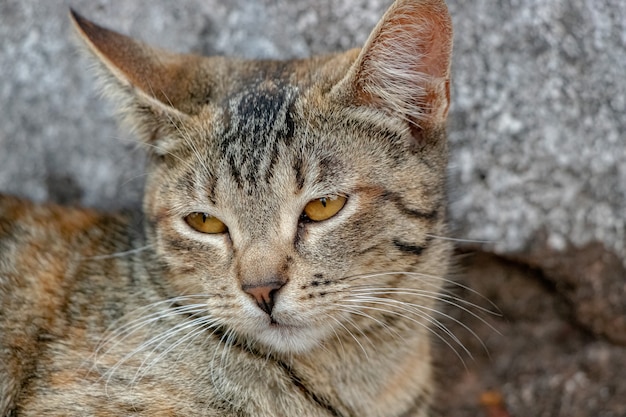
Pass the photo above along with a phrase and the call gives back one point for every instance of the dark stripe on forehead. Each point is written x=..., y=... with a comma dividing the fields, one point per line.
x=257, y=121
x=315, y=164
x=328, y=168
x=259, y=111
x=269, y=173
x=298, y=169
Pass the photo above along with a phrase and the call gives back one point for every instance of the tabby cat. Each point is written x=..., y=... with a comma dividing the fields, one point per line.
x=287, y=260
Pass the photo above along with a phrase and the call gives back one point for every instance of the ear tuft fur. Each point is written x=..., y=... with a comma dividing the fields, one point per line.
x=152, y=88
x=404, y=68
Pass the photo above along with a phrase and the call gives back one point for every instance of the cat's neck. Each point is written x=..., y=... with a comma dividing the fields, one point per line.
x=368, y=377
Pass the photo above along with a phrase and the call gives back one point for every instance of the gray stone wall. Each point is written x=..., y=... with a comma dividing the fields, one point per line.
x=537, y=123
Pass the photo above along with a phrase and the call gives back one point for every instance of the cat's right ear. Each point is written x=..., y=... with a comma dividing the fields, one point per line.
x=151, y=87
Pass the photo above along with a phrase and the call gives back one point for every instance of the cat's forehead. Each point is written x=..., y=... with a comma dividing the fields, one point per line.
x=255, y=125
x=262, y=108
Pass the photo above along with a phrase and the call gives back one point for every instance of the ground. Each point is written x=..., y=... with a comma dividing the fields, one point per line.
x=530, y=349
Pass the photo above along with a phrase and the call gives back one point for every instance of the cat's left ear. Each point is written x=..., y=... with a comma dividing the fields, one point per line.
x=154, y=89
x=404, y=68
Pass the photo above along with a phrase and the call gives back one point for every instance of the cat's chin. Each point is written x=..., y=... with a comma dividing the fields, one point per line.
x=289, y=339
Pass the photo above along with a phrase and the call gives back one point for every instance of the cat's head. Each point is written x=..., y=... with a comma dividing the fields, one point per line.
x=298, y=199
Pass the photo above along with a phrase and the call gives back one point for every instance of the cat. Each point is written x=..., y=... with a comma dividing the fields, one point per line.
x=286, y=262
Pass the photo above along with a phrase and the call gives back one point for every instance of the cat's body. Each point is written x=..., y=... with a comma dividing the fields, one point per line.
x=236, y=299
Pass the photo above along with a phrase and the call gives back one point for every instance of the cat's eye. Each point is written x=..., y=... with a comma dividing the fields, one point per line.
x=205, y=223
x=323, y=208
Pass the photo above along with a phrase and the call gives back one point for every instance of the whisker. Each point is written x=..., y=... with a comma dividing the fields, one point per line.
x=213, y=367
x=460, y=240
x=202, y=328
x=424, y=326
x=130, y=327
x=144, y=322
x=414, y=310
x=422, y=275
x=133, y=178
x=158, y=340
x=358, y=328
x=186, y=136
x=343, y=350
x=420, y=307
x=226, y=341
x=351, y=335
x=440, y=296
x=117, y=254
x=158, y=148
x=430, y=295
x=198, y=322
x=353, y=310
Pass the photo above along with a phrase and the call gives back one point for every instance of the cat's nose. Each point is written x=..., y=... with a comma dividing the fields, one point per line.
x=264, y=293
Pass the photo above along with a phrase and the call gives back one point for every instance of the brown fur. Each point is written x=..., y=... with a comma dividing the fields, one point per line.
x=101, y=315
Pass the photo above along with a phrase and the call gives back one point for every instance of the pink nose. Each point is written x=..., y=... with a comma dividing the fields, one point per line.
x=264, y=294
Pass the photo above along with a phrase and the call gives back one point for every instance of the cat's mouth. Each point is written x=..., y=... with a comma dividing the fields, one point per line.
x=276, y=322
x=273, y=322
x=284, y=327
x=282, y=324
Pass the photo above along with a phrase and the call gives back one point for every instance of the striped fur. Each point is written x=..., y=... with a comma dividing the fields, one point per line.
x=108, y=315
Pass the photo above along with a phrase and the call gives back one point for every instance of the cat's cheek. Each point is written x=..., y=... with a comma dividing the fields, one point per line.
x=193, y=266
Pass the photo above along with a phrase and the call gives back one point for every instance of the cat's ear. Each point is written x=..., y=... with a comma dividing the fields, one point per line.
x=404, y=68
x=154, y=89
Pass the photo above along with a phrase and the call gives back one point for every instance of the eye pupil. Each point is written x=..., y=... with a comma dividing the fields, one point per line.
x=204, y=217
x=323, y=201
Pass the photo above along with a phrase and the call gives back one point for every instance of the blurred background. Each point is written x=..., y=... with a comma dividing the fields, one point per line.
x=537, y=179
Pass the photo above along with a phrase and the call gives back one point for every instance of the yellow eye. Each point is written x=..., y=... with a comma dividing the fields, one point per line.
x=204, y=223
x=324, y=208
